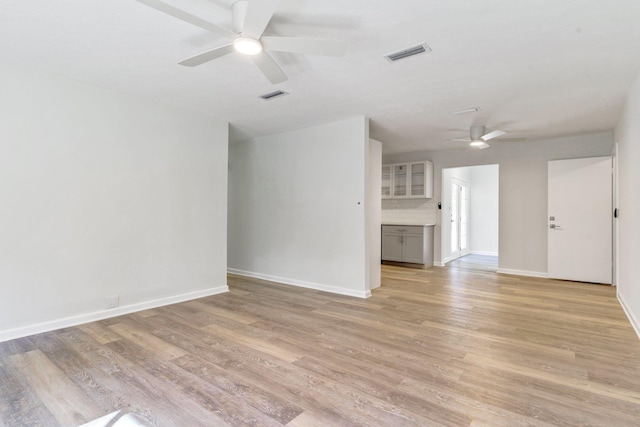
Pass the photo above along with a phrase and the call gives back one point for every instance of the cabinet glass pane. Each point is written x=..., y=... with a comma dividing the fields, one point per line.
x=400, y=180
x=417, y=179
x=386, y=181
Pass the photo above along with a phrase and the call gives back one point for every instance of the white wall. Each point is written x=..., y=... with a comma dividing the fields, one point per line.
x=484, y=223
x=523, y=191
x=627, y=135
x=296, y=207
x=104, y=194
x=373, y=210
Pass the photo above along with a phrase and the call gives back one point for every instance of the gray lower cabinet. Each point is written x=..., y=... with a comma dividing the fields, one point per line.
x=411, y=243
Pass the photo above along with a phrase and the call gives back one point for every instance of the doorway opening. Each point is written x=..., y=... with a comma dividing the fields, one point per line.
x=470, y=217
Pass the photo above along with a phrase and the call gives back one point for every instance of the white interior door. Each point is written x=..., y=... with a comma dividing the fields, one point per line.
x=459, y=218
x=455, y=220
x=579, y=245
x=464, y=219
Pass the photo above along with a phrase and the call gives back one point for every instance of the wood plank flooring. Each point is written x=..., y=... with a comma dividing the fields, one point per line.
x=435, y=347
x=475, y=262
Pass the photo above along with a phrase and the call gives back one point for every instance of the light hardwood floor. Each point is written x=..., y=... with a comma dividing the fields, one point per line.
x=432, y=347
x=475, y=262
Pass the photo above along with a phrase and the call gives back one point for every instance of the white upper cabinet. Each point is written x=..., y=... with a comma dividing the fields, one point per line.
x=386, y=181
x=407, y=180
x=400, y=180
x=418, y=183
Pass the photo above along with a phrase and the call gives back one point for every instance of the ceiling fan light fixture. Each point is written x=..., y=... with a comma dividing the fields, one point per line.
x=247, y=46
x=479, y=144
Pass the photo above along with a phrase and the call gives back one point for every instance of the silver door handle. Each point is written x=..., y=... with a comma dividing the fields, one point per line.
x=555, y=227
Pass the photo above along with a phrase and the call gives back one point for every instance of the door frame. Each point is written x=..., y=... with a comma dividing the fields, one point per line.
x=615, y=236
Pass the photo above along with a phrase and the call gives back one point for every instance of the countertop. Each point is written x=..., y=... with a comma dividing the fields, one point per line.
x=406, y=223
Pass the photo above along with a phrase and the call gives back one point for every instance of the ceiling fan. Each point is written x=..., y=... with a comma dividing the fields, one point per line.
x=250, y=19
x=479, y=137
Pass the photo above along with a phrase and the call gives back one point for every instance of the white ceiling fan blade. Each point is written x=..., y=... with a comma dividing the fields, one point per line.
x=187, y=17
x=305, y=46
x=269, y=68
x=207, y=56
x=491, y=135
x=460, y=139
x=258, y=16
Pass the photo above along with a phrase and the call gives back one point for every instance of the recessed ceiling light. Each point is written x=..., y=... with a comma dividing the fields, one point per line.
x=247, y=46
x=468, y=110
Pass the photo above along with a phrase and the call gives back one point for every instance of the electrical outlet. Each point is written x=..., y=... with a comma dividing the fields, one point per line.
x=112, y=301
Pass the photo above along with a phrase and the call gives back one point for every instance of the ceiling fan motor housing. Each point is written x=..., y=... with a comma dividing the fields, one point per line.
x=477, y=132
x=238, y=15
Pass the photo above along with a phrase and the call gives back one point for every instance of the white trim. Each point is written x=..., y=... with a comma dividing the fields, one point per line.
x=523, y=273
x=615, y=252
x=67, y=322
x=438, y=264
x=487, y=253
x=449, y=258
x=634, y=322
x=301, y=283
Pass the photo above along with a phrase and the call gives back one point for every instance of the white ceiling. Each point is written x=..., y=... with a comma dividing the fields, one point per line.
x=537, y=69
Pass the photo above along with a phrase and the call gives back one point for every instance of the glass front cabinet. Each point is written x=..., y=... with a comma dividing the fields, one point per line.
x=400, y=180
x=407, y=180
x=386, y=181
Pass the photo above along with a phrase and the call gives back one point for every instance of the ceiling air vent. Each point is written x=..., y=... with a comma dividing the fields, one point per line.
x=273, y=95
x=468, y=110
x=407, y=52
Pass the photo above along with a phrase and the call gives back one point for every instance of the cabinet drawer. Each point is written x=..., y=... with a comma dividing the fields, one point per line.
x=403, y=229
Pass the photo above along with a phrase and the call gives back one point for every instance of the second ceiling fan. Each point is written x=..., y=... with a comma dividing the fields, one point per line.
x=250, y=19
x=479, y=137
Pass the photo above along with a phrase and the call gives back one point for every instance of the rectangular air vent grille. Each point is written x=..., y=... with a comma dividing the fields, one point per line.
x=468, y=110
x=273, y=95
x=407, y=52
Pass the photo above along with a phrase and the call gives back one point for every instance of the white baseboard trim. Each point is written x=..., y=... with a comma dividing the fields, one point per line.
x=523, y=273
x=634, y=322
x=67, y=322
x=484, y=253
x=301, y=283
x=449, y=258
x=438, y=264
